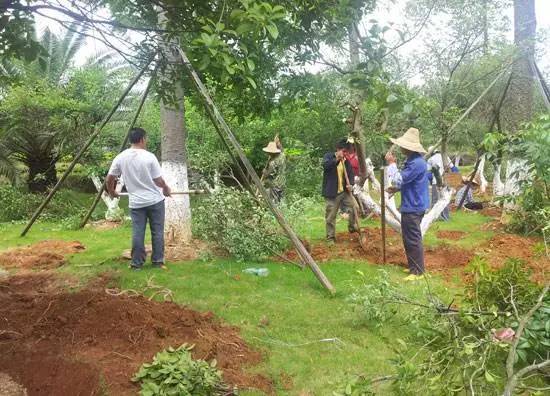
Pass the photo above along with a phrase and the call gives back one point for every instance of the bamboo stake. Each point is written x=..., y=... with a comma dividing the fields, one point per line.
x=383, y=212
x=121, y=148
x=222, y=129
x=84, y=148
x=541, y=84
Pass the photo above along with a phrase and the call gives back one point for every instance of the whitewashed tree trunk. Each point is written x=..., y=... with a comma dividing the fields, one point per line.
x=481, y=174
x=516, y=173
x=445, y=195
x=174, y=168
x=114, y=212
x=174, y=153
x=373, y=206
x=498, y=185
x=457, y=160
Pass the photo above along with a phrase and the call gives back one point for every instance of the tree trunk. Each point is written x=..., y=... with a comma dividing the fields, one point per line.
x=114, y=212
x=481, y=174
x=174, y=153
x=42, y=173
x=485, y=22
x=498, y=186
x=522, y=85
x=174, y=167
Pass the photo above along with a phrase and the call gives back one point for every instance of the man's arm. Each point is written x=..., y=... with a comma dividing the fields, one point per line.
x=329, y=161
x=159, y=182
x=110, y=184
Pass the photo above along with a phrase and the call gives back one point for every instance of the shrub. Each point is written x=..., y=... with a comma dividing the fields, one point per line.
x=238, y=224
x=16, y=204
x=451, y=350
x=175, y=372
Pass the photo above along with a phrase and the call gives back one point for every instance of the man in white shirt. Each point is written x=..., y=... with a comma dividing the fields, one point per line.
x=146, y=190
x=436, y=162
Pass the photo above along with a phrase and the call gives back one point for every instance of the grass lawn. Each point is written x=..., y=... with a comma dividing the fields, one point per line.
x=314, y=339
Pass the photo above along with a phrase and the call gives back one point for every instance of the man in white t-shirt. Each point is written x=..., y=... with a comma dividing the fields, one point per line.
x=436, y=162
x=142, y=176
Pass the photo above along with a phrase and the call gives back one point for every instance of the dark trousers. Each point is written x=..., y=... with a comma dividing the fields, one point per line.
x=412, y=240
x=331, y=211
x=155, y=215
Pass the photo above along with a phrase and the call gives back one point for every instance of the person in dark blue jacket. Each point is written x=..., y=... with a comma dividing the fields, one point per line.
x=412, y=181
x=337, y=188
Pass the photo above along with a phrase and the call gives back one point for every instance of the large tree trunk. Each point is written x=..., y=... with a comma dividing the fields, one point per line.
x=42, y=173
x=174, y=153
x=174, y=167
x=522, y=85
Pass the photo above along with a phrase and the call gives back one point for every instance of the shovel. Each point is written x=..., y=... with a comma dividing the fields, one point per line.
x=355, y=206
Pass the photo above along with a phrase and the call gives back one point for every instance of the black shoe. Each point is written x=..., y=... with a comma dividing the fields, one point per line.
x=134, y=268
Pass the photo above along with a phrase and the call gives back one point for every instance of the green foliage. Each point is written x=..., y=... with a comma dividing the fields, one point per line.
x=16, y=204
x=175, y=372
x=454, y=351
x=355, y=386
x=238, y=224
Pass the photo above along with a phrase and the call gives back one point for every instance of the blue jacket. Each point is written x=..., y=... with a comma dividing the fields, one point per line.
x=413, y=183
x=330, y=176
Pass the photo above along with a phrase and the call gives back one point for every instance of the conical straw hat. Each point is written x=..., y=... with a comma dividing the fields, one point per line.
x=272, y=148
x=410, y=141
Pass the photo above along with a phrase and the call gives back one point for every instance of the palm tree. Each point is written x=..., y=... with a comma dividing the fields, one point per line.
x=48, y=114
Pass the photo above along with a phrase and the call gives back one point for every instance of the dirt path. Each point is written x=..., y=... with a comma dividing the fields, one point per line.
x=54, y=342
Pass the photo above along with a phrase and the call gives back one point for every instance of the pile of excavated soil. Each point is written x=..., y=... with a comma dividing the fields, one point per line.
x=501, y=247
x=89, y=342
x=347, y=247
x=491, y=211
x=42, y=255
x=452, y=235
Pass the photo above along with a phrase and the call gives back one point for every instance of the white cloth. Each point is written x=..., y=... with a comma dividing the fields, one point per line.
x=391, y=173
x=138, y=167
x=437, y=160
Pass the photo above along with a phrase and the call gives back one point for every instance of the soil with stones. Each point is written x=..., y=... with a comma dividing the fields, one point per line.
x=41, y=255
x=88, y=342
x=347, y=247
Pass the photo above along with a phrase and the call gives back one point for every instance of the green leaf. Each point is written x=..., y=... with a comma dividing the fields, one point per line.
x=273, y=30
x=489, y=377
x=408, y=108
x=251, y=64
x=391, y=98
x=252, y=82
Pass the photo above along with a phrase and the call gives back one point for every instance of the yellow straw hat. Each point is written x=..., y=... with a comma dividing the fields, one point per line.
x=272, y=148
x=410, y=141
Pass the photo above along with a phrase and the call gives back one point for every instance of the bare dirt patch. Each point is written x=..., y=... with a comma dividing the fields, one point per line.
x=42, y=255
x=452, y=235
x=347, y=247
x=104, y=224
x=58, y=343
x=504, y=246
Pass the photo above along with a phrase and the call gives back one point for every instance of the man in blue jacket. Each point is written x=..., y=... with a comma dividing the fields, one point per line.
x=337, y=186
x=412, y=181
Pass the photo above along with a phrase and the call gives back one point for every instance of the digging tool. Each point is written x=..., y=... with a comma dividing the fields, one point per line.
x=190, y=192
x=355, y=206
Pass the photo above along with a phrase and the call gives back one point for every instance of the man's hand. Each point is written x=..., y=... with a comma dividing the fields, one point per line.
x=166, y=191
x=389, y=157
x=339, y=155
x=392, y=190
x=349, y=187
x=114, y=194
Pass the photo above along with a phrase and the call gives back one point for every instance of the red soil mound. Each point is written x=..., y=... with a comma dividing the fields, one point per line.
x=347, y=247
x=504, y=246
x=58, y=343
x=452, y=235
x=42, y=255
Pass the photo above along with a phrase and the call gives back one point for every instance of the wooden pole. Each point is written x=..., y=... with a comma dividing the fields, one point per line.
x=541, y=84
x=383, y=212
x=190, y=192
x=121, y=148
x=224, y=131
x=468, y=111
x=84, y=148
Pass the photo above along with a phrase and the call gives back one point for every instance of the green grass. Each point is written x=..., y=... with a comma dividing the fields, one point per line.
x=299, y=311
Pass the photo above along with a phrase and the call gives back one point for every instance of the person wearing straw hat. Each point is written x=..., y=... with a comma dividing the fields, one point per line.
x=412, y=181
x=273, y=175
x=466, y=192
